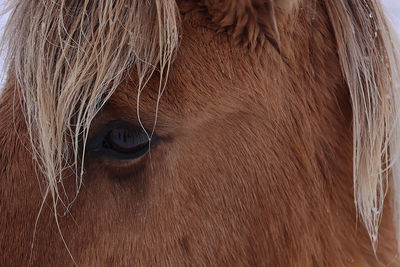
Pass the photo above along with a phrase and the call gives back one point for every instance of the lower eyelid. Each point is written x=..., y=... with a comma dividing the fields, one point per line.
x=116, y=169
x=104, y=153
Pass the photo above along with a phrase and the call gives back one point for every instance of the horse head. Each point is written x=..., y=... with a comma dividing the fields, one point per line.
x=243, y=132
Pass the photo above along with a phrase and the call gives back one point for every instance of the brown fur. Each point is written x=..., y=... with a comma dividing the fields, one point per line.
x=255, y=166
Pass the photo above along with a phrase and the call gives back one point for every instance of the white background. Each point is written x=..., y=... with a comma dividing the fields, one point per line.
x=392, y=7
x=393, y=11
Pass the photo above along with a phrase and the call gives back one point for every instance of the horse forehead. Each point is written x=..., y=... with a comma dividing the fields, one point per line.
x=207, y=75
x=211, y=72
x=211, y=67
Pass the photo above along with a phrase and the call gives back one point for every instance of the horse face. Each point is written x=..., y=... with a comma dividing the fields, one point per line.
x=250, y=160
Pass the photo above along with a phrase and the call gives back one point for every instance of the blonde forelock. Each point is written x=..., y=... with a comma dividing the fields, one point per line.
x=68, y=58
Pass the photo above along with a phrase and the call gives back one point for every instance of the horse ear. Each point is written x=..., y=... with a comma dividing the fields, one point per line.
x=250, y=23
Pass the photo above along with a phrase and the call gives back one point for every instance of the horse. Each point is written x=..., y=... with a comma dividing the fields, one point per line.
x=206, y=133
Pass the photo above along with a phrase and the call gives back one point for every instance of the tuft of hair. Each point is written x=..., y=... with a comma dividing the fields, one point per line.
x=367, y=48
x=68, y=57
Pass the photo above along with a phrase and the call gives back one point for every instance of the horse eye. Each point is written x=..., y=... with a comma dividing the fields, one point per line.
x=120, y=141
x=126, y=140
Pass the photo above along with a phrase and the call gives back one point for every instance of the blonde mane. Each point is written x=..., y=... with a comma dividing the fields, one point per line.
x=68, y=57
x=370, y=62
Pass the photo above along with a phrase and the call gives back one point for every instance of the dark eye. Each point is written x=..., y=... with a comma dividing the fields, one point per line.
x=120, y=141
